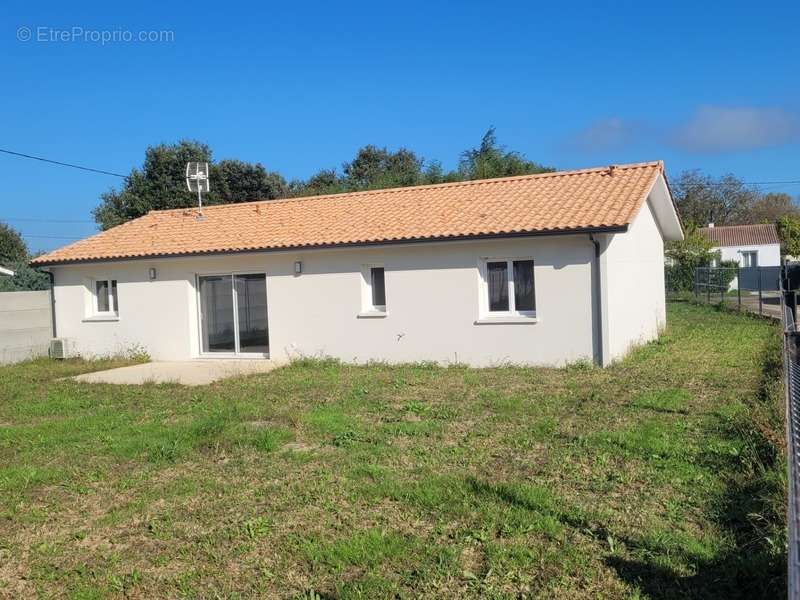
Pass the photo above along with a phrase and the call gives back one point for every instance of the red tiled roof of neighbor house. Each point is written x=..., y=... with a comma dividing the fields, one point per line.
x=605, y=198
x=742, y=235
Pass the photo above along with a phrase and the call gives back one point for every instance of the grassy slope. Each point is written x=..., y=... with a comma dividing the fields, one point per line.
x=657, y=477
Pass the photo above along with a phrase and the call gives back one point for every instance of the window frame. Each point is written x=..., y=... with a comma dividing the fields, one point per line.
x=111, y=285
x=512, y=314
x=750, y=253
x=368, y=308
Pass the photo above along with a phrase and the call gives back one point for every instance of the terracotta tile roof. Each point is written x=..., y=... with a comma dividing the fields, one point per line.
x=742, y=235
x=601, y=198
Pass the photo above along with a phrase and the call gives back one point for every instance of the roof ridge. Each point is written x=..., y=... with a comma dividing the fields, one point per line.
x=745, y=225
x=449, y=184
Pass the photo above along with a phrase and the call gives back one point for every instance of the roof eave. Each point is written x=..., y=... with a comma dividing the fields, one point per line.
x=462, y=238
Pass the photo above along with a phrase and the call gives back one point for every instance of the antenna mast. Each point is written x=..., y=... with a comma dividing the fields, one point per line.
x=197, y=180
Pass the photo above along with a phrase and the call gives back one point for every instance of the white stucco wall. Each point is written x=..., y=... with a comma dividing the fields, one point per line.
x=769, y=255
x=432, y=303
x=633, y=266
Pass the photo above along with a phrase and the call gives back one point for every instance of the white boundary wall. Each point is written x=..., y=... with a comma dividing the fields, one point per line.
x=25, y=325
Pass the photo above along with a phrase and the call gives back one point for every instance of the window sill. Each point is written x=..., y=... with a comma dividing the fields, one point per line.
x=101, y=319
x=507, y=321
x=372, y=314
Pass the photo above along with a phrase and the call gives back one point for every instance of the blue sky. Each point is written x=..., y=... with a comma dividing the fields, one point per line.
x=299, y=87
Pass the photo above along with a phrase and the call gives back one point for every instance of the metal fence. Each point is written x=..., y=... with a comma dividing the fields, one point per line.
x=755, y=289
x=791, y=369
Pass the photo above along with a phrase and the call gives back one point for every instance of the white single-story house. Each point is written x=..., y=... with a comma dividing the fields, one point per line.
x=747, y=245
x=540, y=269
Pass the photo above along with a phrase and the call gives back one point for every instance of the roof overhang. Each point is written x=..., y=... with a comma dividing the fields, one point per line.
x=491, y=236
x=666, y=212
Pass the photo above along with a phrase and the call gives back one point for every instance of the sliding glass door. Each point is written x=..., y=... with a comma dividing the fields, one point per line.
x=233, y=314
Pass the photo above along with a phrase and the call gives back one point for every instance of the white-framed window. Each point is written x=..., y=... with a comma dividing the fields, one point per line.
x=373, y=290
x=749, y=258
x=508, y=288
x=104, y=297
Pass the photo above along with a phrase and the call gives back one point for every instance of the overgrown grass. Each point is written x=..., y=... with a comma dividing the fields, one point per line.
x=661, y=477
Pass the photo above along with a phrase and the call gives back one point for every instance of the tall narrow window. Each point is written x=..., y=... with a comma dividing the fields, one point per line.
x=509, y=287
x=378, y=285
x=497, y=276
x=105, y=292
x=102, y=296
x=373, y=291
x=524, y=299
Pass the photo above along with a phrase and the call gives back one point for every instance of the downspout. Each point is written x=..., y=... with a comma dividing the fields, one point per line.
x=52, y=301
x=598, y=287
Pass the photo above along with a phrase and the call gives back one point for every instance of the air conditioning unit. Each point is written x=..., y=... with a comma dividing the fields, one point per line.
x=61, y=348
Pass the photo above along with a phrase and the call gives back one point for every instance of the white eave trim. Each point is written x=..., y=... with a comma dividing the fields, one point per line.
x=664, y=210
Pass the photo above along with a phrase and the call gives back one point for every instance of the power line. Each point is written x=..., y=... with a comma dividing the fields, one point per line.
x=63, y=164
x=32, y=220
x=49, y=237
x=791, y=181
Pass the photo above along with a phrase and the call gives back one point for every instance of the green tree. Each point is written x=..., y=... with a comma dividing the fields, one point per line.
x=492, y=160
x=12, y=246
x=238, y=181
x=789, y=234
x=374, y=168
x=684, y=257
x=161, y=183
x=14, y=255
x=326, y=181
x=25, y=278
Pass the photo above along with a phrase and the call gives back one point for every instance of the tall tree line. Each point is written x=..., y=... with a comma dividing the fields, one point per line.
x=159, y=183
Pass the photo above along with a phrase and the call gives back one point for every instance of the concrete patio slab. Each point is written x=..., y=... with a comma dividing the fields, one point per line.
x=190, y=372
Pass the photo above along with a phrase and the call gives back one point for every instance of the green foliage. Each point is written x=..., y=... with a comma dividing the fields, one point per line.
x=25, y=278
x=492, y=160
x=789, y=234
x=684, y=257
x=378, y=168
x=161, y=183
x=12, y=246
x=14, y=255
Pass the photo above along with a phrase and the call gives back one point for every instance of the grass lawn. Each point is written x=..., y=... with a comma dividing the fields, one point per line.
x=661, y=476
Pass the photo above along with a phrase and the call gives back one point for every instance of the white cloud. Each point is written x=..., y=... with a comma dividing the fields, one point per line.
x=606, y=134
x=720, y=129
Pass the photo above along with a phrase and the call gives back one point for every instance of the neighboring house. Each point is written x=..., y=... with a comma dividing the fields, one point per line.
x=539, y=269
x=747, y=245
x=7, y=272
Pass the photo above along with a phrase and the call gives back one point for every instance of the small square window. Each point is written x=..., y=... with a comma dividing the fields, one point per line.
x=509, y=289
x=750, y=259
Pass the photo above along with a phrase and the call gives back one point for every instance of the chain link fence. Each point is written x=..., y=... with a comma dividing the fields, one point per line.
x=754, y=289
x=790, y=282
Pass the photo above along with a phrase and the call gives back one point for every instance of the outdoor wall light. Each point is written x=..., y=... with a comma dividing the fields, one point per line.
x=298, y=267
x=152, y=272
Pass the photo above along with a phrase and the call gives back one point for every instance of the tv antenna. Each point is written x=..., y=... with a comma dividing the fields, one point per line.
x=197, y=179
